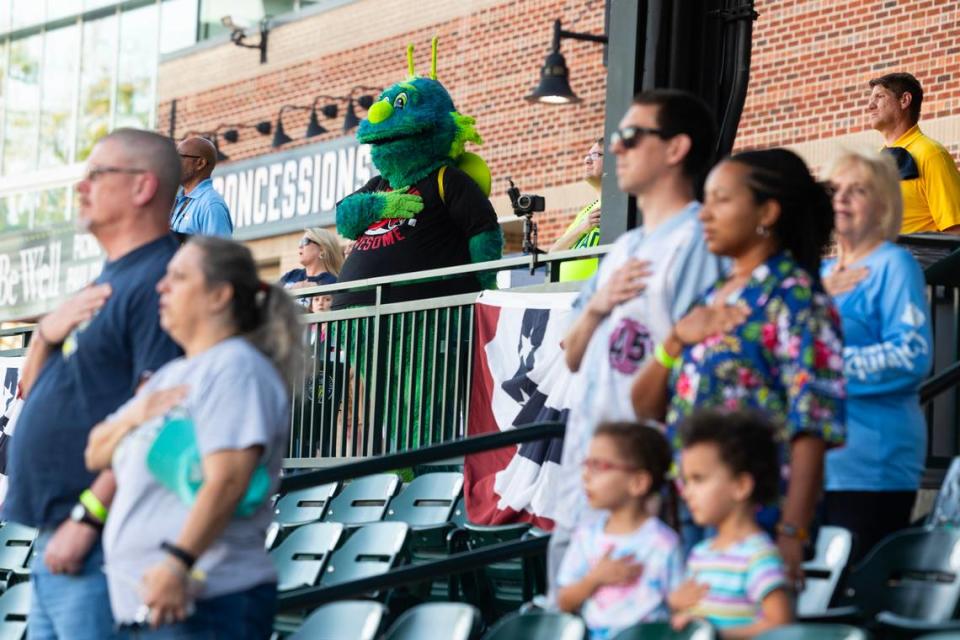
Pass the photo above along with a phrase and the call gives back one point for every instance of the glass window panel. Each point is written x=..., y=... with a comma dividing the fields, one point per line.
x=63, y=8
x=277, y=7
x=4, y=16
x=51, y=207
x=138, y=67
x=3, y=85
x=23, y=105
x=178, y=24
x=25, y=13
x=244, y=13
x=61, y=53
x=96, y=4
x=97, y=64
x=20, y=211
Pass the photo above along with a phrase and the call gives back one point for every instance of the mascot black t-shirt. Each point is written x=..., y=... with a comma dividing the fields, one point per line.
x=435, y=238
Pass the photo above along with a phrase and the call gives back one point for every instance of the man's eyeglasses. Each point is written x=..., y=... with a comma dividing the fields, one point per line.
x=596, y=465
x=593, y=156
x=305, y=241
x=630, y=137
x=188, y=155
x=95, y=172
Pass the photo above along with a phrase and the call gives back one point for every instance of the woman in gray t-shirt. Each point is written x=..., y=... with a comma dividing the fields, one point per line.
x=200, y=566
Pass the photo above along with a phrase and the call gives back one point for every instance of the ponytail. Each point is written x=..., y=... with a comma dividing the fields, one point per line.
x=263, y=313
x=279, y=333
x=806, y=211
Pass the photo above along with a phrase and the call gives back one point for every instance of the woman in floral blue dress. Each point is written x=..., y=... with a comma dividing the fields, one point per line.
x=766, y=336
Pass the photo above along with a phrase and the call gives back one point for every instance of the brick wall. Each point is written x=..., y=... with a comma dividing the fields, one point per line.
x=811, y=63
x=812, y=60
x=490, y=57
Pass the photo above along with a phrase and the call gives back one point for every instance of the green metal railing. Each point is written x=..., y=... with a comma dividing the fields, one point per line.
x=393, y=377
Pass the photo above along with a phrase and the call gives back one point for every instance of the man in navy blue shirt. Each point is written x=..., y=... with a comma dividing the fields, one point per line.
x=199, y=209
x=85, y=359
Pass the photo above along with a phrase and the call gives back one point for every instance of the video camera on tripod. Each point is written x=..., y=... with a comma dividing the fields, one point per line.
x=524, y=206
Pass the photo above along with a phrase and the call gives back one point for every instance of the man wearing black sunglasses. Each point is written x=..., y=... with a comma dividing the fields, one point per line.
x=199, y=209
x=664, y=146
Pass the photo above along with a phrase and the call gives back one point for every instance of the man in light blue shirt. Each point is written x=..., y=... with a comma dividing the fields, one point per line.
x=646, y=282
x=199, y=209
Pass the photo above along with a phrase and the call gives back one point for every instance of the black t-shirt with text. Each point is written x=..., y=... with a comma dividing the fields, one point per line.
x=437, y=237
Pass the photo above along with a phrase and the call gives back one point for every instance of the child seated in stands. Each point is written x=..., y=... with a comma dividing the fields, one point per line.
x=620, y=567
x=736, y=579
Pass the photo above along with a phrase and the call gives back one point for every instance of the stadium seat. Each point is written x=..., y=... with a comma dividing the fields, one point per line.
x=822, y=574
x=298, y=508
x=16, y=546
x=501, y=587
x=538, y=626
x=459, y=516
x=946, y=508
x=14, y=607
x=696, y=630
x=437, y=621
x=300, y=559
x=815, y=632
x=908, y=584
x=304, y=505
x=428, y=501
x=343, y=620
x=427, y=505
x=373, y=549
x=363, y=500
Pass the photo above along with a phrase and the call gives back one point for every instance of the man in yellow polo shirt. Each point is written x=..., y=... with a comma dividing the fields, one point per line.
x=929, y=180
x=584, y=231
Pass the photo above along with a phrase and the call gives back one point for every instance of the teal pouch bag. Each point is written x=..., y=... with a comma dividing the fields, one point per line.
x=174, y=460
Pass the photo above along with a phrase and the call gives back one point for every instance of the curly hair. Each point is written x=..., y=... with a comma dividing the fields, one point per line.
x=746, y=442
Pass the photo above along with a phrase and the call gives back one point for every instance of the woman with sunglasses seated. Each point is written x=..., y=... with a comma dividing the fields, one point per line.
x=321, y=257
x=766, y=336
x=197, y=451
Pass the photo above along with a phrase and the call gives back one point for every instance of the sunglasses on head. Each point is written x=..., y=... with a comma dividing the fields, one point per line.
x=630, y=137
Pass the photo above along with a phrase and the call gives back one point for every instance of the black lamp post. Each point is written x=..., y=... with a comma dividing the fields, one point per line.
x=554, y=87
x=231, y=132
x=351, y=120
x=280, y=136
x=330, y=110
x=221, y=156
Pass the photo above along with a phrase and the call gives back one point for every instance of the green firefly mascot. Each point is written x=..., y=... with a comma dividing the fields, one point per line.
x=428, y=208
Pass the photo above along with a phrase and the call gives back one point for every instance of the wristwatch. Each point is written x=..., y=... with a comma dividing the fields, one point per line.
x=79, y=514
x=792, y=531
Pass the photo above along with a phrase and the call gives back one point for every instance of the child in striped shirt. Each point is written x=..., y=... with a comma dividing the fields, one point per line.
x=620, y=567
x=736, y=579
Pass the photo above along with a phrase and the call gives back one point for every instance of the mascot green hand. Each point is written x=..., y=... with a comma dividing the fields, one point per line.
x=429, y=207
x=360, y=210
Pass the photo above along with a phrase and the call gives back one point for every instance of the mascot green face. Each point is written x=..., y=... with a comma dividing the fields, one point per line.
x=414, y=129
x=415, y=132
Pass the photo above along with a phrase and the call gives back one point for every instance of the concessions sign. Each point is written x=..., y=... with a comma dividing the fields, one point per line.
x=285, y=192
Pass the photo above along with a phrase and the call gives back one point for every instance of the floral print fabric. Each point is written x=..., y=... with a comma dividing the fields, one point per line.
x=786, y=359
